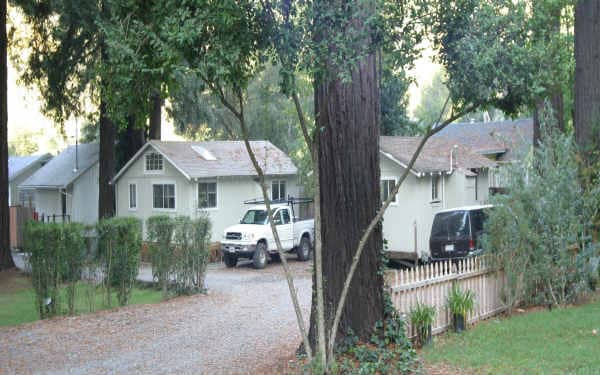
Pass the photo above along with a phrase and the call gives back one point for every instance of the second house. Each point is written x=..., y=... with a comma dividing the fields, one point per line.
x=189, y=178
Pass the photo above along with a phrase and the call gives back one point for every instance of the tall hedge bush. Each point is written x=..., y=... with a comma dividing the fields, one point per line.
x=160, y=237
x=179, y=249
x=57, y=257
x=119, y=246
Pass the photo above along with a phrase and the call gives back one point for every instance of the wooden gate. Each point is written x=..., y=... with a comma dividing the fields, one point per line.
x=19, y=215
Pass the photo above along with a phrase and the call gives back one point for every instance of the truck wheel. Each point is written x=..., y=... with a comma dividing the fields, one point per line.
x=230, y=260
x=303, y=250
x=259, y=259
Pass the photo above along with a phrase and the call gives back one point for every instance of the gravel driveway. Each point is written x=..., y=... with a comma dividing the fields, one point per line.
x=245, y=322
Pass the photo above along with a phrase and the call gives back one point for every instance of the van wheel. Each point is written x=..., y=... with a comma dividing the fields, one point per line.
x=230, y=260
x=303, y=251
x=259, y=259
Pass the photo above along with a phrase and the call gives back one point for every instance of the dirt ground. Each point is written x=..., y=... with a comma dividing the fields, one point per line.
x=245, y=324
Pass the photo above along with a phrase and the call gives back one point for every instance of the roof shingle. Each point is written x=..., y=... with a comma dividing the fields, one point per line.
x=60, y=171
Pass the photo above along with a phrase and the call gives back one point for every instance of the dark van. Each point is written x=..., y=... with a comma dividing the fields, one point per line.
x=455, y=232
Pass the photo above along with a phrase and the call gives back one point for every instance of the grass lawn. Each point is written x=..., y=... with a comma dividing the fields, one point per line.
x=17, y=299
x=543, y=342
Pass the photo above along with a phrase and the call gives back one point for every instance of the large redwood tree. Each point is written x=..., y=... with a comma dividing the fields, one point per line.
x=347, y=113
x=6, y=260
x=587, y=74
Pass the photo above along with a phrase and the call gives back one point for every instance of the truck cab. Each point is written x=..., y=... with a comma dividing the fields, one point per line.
x=253, y=239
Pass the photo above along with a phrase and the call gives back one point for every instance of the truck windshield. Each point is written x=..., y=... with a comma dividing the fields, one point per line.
x=258, y=217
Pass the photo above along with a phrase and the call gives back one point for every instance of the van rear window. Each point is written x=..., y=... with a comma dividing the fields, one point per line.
x=450, y=224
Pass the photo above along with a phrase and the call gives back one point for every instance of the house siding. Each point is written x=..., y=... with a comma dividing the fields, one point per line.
x=232, y=191
x=414, y=211
x=82, y=202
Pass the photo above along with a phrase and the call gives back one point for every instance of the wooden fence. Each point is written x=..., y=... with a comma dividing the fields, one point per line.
x=19, y=216
x=431, y=283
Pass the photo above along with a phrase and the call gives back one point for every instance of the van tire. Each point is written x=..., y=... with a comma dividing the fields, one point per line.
x=304, y=250
x=259, y=258
x=230, y=260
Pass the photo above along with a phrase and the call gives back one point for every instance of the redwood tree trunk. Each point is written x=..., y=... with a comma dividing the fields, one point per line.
x=106, y=193
x=587, y=74
x=6, y=260
x=348, y=151
x=155, y=116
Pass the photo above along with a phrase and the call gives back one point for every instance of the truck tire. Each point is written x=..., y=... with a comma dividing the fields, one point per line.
x=303, y=251
x=259, y=259
x=230, y=260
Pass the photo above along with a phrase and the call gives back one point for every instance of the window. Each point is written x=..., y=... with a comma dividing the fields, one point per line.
x=132, y=196
x=278, y=190
x=154, y=162
x=164, y=196
x=387, y=187
x=26, y=198
x=435, y=187
x=207, y=195
x=285, y=216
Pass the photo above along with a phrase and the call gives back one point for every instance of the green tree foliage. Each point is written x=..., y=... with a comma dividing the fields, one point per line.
x=541, y=230
x=24, y=143
x=119, y=246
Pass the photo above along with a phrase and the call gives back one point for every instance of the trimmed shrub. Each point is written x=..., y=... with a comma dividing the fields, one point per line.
x=57, y=255
x=119, y=245
x=160, y=236
x=179, y=250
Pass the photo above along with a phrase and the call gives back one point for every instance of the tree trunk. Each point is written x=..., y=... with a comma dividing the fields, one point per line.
x=348, y=149
x=155, y=116
x=6, y=260
x=132, y=140
x=587, y=75
x=106, y=193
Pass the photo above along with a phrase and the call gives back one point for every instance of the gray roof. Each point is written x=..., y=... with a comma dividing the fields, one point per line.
x=19, y=164
x=60, y=171
x=506, y=139
x=435, y=155
x=219, y=158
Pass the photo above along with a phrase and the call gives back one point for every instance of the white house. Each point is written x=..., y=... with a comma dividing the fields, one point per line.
x=189, y=178
x=19, y=169
x=66, y=188
x=457, y=167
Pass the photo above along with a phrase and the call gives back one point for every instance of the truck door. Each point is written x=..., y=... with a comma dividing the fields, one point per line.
x=285, y=228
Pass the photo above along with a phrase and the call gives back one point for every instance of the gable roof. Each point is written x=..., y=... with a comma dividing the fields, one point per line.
x=507, y=139
x=60, y=171
x=19, y=164
x=435, y=155
x=218, y=158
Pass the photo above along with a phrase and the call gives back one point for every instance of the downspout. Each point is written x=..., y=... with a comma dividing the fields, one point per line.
x=444, y=190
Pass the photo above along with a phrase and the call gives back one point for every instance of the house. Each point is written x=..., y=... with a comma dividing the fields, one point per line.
x=457, y=167
x=192, y=178
x=66, y=188
x=19, y=169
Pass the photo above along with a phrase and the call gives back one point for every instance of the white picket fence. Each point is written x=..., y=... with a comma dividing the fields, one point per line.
x=431, y=283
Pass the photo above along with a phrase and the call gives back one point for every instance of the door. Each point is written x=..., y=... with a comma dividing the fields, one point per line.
x=284, y=228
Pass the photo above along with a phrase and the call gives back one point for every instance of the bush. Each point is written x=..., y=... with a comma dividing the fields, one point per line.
x=160, y=237
x=57, y=254
x=179, y=250
x=421, y=318
x=541, y=230
x=119, y=245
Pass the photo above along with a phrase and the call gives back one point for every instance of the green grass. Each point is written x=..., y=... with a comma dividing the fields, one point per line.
x=543, y=342
x=17, y=303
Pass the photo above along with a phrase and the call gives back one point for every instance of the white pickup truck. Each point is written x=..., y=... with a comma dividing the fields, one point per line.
x=252, y=237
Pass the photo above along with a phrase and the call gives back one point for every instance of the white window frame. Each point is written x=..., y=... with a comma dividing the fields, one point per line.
x=134, y=208
x=174, y=195
x=438, y=187
x=385, y=179
x=216, y=207
x=279, y=183
x=154, y=171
